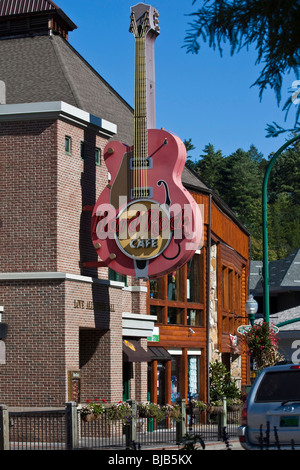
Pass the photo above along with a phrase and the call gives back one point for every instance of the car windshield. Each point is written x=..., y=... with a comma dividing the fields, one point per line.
x=279, y=386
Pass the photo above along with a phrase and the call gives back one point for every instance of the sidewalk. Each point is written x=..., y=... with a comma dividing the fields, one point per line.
x=234, y=445
x=209, y=445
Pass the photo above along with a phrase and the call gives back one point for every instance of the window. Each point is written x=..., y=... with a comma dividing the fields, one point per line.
x=225, y=288
x=180, y=294
x=158, y=311
x=231, y=299
x=195, y=317
x=155, y=289
x=279, y=386
x=114, y=276
x=194, y=282
x=82, y=150
x=97, y=156
x=174, y=286
x=174, y=316
x=68, y=145
x=194, y=377
x=175, y=377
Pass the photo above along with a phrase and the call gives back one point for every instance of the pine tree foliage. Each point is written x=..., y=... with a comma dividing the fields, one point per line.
x=238, y=180
x=271, y=26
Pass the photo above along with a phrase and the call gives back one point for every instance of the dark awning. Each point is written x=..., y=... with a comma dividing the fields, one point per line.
x=133, y=352
x=159, y=353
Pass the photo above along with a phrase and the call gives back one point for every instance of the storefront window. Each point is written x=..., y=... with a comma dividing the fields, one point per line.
x=174, y=316
x=193, y=281
x=160, y=383
x=175, y=378
x=155, y=289
x=174, y=286
x=193, y=377
x=157, y=310
x=194, y=317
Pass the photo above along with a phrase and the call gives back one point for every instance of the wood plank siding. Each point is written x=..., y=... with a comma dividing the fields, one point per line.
x=176, y=330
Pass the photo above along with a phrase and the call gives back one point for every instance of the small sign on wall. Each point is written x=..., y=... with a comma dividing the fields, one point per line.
x=74, y=386
x=155, y=334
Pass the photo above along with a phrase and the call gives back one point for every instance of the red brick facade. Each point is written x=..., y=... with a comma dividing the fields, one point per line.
x=62, y=317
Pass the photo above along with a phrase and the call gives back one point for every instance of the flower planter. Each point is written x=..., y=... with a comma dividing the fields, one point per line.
x=86, y=417
x=234, y=407
x=214, y=409
x=175, y=414
x=197, y=411
x=144, y=414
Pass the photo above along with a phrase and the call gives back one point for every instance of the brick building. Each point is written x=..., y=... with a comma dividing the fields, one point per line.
x=68, y=323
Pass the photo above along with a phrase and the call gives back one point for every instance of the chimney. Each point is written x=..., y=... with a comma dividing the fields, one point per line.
x=2, y=92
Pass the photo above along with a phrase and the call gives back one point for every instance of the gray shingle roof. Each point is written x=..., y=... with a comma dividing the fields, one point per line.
x=48, y=68
x=283, y=274
x=287, y=315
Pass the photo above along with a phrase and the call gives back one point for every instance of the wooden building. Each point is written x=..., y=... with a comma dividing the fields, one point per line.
x=200, y=306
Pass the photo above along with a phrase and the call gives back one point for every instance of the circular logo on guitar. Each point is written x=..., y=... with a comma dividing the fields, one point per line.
x=143, y=229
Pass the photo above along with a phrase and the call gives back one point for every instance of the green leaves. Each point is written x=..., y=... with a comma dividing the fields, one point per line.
x=238, y=180
x=271, y=26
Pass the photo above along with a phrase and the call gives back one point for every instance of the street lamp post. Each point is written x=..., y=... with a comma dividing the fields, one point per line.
x=265, y=227
x=251, y=307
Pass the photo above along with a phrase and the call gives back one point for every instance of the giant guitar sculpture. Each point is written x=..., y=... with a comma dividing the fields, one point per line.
x=145, y=223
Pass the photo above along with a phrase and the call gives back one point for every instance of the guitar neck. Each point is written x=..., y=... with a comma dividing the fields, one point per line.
x=140, y=104
x=143, y=24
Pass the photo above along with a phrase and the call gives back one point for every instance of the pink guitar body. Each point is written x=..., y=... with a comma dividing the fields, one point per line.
x=141, y=256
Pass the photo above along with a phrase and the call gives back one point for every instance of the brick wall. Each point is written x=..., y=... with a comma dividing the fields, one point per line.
x=79, y=183
x=28, y=196
x=34, y=373
x=94, y=338
x=57, y=326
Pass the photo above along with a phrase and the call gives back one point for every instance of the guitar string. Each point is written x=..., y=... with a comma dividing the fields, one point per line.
x=140, y=153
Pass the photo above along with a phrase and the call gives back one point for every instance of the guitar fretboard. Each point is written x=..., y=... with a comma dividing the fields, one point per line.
x=140, y=152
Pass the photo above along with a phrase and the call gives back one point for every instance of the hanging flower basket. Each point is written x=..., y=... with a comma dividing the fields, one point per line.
x=214, y=408
x=144, y=410
x=151, y=410
x=198, y=407
x=171, y=411
x=261, y=343
x=86, y=417
x=120, y=411
x=234, y=407
x=92, y=410
x=234, y=404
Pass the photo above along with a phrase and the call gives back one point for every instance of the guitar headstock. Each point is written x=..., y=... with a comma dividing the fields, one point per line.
x=143, y=20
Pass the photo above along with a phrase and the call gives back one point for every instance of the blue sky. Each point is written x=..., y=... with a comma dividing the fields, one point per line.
x=204, y=97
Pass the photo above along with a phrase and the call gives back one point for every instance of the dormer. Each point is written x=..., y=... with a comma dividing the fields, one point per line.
x=32, y=18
